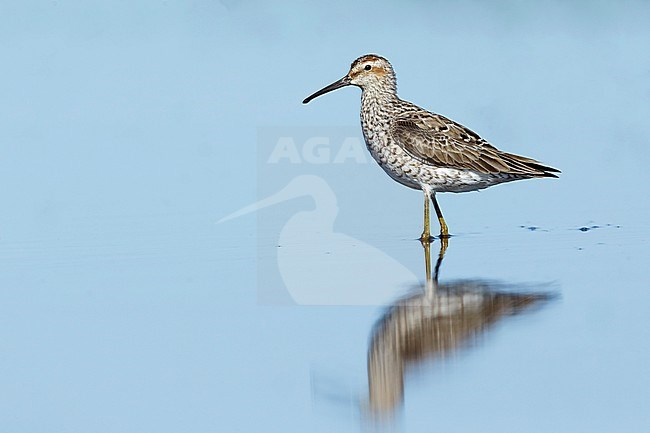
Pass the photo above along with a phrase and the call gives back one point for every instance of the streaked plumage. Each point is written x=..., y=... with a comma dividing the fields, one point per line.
x=424, y=150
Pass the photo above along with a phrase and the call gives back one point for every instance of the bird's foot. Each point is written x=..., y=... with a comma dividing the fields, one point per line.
x=444, y=230
x=426, y=238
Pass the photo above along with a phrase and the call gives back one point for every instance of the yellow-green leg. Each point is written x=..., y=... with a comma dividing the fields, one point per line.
x=444, y=231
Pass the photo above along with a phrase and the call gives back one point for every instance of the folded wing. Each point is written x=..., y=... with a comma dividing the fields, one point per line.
x=441, y=142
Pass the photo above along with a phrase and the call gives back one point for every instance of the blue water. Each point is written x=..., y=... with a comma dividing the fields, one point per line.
x=128, y=131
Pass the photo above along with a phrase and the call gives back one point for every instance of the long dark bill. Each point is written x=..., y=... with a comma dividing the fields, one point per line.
x=345, y=81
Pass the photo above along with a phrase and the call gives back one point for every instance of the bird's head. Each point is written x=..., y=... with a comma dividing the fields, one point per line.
x=369, y=72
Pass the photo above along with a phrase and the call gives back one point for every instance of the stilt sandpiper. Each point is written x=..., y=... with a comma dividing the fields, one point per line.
x=424, y=150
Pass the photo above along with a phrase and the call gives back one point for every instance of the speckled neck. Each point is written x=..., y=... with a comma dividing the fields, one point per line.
x=378, y=106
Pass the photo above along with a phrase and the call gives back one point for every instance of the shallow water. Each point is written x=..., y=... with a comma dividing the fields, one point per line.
x=133, y=299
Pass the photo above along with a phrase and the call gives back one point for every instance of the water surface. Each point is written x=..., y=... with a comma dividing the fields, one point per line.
x=127, y=132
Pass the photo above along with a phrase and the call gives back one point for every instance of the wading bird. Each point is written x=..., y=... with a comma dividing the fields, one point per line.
x=424, y=150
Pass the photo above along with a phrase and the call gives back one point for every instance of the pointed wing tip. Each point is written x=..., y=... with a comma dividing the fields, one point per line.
x=551, y=172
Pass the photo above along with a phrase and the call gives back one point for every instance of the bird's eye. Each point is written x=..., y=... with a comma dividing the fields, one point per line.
x=368, y=67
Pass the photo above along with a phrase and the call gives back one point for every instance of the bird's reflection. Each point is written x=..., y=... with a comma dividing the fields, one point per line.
x=434, y=322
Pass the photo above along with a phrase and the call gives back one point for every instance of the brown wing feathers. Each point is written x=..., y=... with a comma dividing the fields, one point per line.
x=441, y=142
